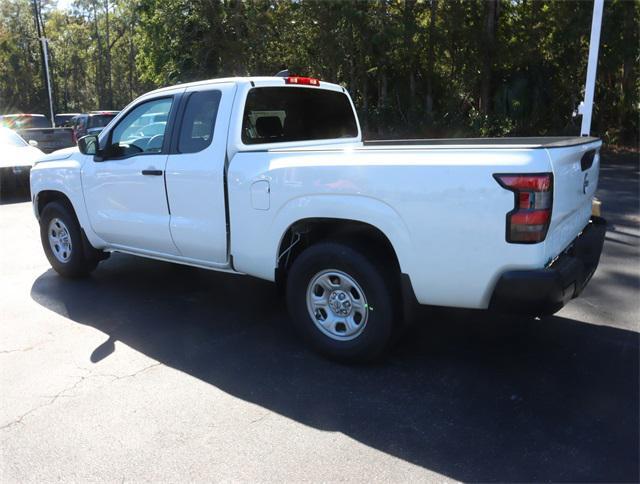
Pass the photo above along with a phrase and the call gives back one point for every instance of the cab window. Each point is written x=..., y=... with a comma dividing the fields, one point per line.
x=277, y=114
x=131, y=136
x=198, y=121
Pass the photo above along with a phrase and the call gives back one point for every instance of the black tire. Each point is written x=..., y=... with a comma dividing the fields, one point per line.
x=380, y=291
x=79, y=263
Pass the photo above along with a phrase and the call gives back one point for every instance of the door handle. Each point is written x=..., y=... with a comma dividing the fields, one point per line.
x=152, y=172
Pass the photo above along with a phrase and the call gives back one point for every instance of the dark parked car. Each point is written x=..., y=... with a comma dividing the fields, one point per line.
x=37, y=130
x=64, y=119
x=92, y=122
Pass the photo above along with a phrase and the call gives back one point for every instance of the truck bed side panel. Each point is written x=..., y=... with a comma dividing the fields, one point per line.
x=442, y=210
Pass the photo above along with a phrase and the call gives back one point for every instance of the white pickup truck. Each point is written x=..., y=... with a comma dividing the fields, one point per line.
x=269, y=177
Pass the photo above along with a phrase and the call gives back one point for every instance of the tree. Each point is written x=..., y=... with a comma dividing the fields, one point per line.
x=413, y=67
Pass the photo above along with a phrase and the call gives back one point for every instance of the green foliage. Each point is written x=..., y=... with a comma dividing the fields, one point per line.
x=19, y=59
x=414, y=68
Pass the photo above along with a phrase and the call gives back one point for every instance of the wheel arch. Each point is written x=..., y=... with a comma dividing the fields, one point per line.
x=44, y=197
x=308, y=231
x=344, y=213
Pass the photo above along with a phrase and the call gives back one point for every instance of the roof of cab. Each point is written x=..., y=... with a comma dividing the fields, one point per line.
x=258, y=80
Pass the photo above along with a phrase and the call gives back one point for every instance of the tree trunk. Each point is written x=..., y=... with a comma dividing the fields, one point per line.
x=629, y=73
x=352, y=62
x=131, y=59
x=412, y=90
x=534, y=70
x=109, y=97
x=99, y=69
x=382, y=89
x=365, y=99
x=431, y=58
x=382, y=98
x=409, y=27
x=490, y=28
x=65, y=69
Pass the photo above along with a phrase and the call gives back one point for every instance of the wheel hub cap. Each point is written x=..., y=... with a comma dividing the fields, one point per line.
x=340, y=303
x=59, y=240
x=337, y=305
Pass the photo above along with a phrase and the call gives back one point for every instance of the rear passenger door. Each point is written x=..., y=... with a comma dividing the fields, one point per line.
x=195, y=174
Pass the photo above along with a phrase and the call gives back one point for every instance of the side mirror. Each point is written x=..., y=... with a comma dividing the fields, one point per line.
x=88, y=145
x=33, y=143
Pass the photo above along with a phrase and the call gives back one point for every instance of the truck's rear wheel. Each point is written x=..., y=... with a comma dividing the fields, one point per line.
x=62, y=241
x=342, y=302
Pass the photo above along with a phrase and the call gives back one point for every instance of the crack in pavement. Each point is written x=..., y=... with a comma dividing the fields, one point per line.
x=22, y=350
x=260, y=418
x=129, y=375
x=19, y=350
x=69, y=388
x=46, y=404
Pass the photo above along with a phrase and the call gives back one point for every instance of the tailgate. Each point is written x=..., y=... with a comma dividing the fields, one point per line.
x=49, y=139
x=575, y=180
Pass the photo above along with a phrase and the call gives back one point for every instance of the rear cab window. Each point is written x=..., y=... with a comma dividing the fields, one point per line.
x=37, y=122
x=100, y=120
x=281, y=114
x=198, y=121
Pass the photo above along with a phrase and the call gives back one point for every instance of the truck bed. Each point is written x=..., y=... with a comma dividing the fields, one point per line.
x=49, y=139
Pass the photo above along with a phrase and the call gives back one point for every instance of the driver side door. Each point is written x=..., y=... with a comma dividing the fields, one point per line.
x=124, y=185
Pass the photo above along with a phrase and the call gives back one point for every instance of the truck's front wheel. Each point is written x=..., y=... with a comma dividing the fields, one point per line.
x=342, y=301
x=62, y=241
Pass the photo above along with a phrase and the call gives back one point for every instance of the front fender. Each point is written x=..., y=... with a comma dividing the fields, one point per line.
x=64, y=177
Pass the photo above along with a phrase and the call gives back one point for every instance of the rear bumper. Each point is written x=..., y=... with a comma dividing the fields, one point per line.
x=15, y=174
x=544, y=291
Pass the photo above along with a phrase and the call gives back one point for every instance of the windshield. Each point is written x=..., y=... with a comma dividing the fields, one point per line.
x=9, y=138
x=277, y=114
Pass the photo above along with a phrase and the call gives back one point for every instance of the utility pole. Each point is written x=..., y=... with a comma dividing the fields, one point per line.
x=44, y=49
x=586, y=107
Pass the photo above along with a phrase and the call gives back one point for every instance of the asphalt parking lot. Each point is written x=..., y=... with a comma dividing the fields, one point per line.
x=152, y=371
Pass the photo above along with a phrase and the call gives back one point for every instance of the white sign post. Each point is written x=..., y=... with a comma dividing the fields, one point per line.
x=586, y=107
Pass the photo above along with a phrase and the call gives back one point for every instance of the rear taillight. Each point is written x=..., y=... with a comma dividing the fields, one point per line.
x=303, y=81
x=528, y=222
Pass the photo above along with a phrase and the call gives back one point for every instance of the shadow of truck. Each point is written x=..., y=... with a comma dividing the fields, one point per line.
x=470, y=395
